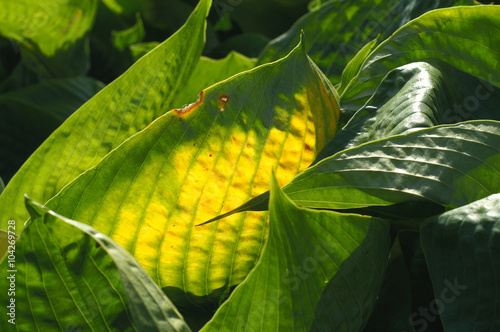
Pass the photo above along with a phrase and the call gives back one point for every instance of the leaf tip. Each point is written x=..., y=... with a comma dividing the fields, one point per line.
x=32, y=207
x=302, y=41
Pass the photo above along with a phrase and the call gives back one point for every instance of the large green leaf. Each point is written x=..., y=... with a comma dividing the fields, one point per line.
x=319, y=271
x=52, y=33
x=147, y=90
x=415, y=96
x=449, y=165
x=339, y=29
x=191, y=164
x=31, y=114
x=461, y=248
x=68, y=276
x=466, y=37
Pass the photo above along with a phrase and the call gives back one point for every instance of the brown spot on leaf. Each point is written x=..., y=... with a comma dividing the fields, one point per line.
x=223, y=100
x=189, y=108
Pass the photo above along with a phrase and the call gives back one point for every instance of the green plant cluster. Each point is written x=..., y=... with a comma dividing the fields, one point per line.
x=335, y=167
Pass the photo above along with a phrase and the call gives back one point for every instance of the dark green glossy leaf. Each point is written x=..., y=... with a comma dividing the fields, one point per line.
x=462, y=247
x=448, y=165
x=414, y=96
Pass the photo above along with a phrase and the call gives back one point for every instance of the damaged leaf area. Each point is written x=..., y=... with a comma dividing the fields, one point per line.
x=150, y=192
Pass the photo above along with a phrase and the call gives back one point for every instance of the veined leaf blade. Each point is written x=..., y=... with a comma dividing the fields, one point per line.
x=461, y=36
x=449, y=165
x=319, y=271
x=461, y=248
x=124, y=107
x=69, y=276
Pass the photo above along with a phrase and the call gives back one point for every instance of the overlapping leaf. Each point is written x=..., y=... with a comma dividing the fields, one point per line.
x=31, y=114
x=319, y=271
x=415, y=96
x=405, y=168
x=146, y=91
x=393, y=306
x=461, y=248
x=465, y=37
x=194, y=163
x=339, y=29
x=135, y=34
x=449, y=165
x=51, y=33
x=68, y=276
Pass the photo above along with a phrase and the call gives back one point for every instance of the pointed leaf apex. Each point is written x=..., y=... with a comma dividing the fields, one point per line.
x=34, y=208
x=302, y=42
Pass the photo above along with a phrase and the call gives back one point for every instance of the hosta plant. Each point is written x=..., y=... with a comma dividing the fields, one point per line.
x=347, y=179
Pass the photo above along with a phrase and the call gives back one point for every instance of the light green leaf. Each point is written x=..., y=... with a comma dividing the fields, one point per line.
x=461, y=248
x=5, y=241
x=52, y=32
x=319, y=271
x=352, y=68
x=448, y=165
x=146, y=91
x=465, y=37
x=68, y=276
x=125, y=38
x=31, y=114
x=190, y=165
